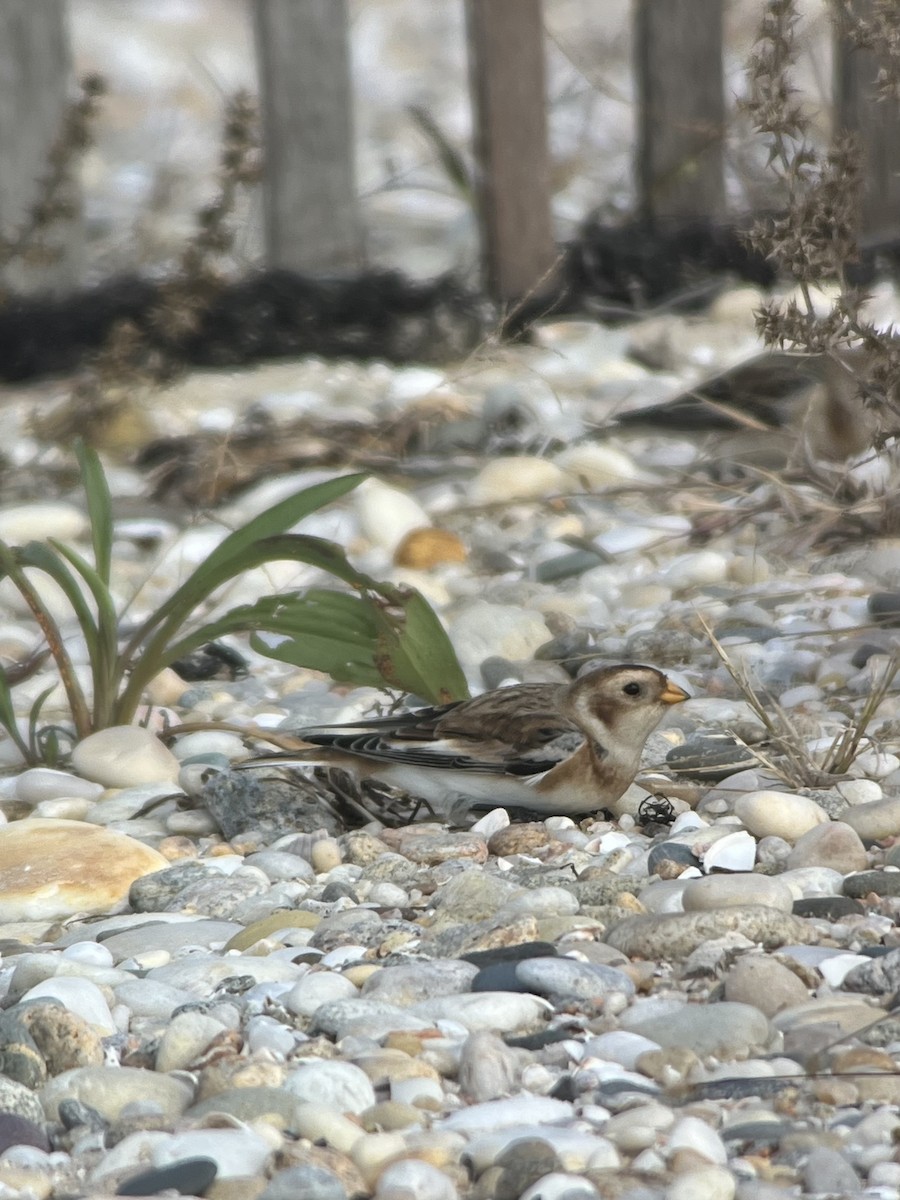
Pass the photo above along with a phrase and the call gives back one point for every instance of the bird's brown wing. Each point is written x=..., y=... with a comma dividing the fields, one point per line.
x=523, y=717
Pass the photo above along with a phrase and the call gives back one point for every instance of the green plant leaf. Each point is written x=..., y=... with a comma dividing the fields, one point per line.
x=240, y=551
x=413, y=651
x=8, y=718
x=99, y=503
x=386, y=637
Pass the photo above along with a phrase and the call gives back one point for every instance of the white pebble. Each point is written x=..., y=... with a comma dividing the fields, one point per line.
x=386, y=515
x=522, y=478
x=690, y=1133
x=79, y=996
x=36, y=522
x=779, y=814
x=124, y=755
x=412, y=1179
x=42, y=783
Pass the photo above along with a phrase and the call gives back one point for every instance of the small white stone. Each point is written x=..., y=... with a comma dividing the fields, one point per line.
x=124, y=755
x=386, y=515
x=42, y=783
x=315, y=989
x=480, y=629
x=690, y=1133
x=860, y=791
x=778, y=814
x=79, y=996
x=733, y=852
x=595, y=465
x=184, y=1039
x=696, y=570
x=337, y=1085
x=36, y=522
x=524, y=477
x=874, y=764
x=237, y=1153
x=94, y=954
x=412, y=1179
x=199, y=745
x=834, y=970
x=703, y=1183
x=557, y=1185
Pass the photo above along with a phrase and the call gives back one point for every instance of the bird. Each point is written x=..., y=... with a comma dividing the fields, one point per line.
x=554, y=749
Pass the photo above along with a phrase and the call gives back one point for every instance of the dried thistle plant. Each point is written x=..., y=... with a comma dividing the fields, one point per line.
x=815, y=240
x=790, y=756
x=57, y=190
x=136, y=358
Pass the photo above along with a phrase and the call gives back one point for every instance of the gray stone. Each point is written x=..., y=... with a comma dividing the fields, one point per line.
x=415, y=981
x=563, y=979
x=727, y=1030
x=828, y=1172
x=669, y=936
x=110, y=1089
x=306, y=1180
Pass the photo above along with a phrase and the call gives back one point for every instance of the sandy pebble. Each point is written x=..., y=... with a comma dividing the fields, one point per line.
x=60, y=868
x=705, y=1183
x=110, y=1089
x=338, y=1085
x=765, y=983
x=79, y=996
x=836, y=845
x=123, y=755
x=874, y=820
x=411, y=1179
x=779, y=814
x=717, y=891
x=22, y=523
x=675, y=935
x=184, y=1039
x=516, y=478
x=40, y=784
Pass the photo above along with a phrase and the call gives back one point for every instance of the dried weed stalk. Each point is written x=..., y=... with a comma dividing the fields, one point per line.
x=57, y=190
x=815, y=240
x=137, y=358
x=790, y=756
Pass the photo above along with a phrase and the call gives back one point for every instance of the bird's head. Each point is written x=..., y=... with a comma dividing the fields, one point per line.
x=620, y=704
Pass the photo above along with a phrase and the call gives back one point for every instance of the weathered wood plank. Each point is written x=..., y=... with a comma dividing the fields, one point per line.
x=35, y=76
x=681, y=107
x=506, y=61
x=303, y=61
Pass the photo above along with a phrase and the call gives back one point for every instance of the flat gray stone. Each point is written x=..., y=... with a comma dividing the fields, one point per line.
x=673, y=936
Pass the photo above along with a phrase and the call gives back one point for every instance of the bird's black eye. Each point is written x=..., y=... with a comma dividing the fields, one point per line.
x=632, y=689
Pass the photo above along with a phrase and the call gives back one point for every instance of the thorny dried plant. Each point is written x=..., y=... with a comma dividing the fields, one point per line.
x=56, y=200
x=135, y=359
x=795, y=754
x=816, y=239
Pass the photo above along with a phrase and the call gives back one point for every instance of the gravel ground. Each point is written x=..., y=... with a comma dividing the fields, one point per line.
x=221, y=984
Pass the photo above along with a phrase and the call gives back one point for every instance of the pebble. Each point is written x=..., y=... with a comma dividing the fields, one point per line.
x=875, y=820
x=778, y=814
x=836, y=844
x=729, y=891
x=51, y=869
x=232, y=991
x=124, y=755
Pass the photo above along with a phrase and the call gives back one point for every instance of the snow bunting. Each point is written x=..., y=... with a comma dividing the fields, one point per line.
x=551, y=748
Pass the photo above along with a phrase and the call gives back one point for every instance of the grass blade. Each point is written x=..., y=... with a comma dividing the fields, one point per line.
x=99, y=503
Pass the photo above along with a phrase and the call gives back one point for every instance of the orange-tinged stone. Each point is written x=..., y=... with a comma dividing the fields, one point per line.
x=423, y=549
x=55, y=868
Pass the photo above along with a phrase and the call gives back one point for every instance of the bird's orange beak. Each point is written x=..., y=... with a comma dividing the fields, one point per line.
x=673, y=694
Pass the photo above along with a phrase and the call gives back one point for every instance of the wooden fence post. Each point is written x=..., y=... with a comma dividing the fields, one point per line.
x=35, y=74
x=506, y=63
x=681, y=108
x=876, y=125
x=303, y=62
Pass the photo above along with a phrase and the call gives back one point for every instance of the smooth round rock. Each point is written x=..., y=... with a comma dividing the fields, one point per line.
x=412, y=1179
x=184, y=1039
x=728, y=1029
x=51, y=869
x=765, y=983
x=516, y=478
x=40, y=784
x=672, y=936
x=125, y=755
x=881, y=883
x=563, y=979
x=337, y=1085
x=79, y=996
x=21, y=523
x=110, y=1089
x=721, y=891
x=875, y=820
x=836, y=845
x=778, y=814
x=236, y=1153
